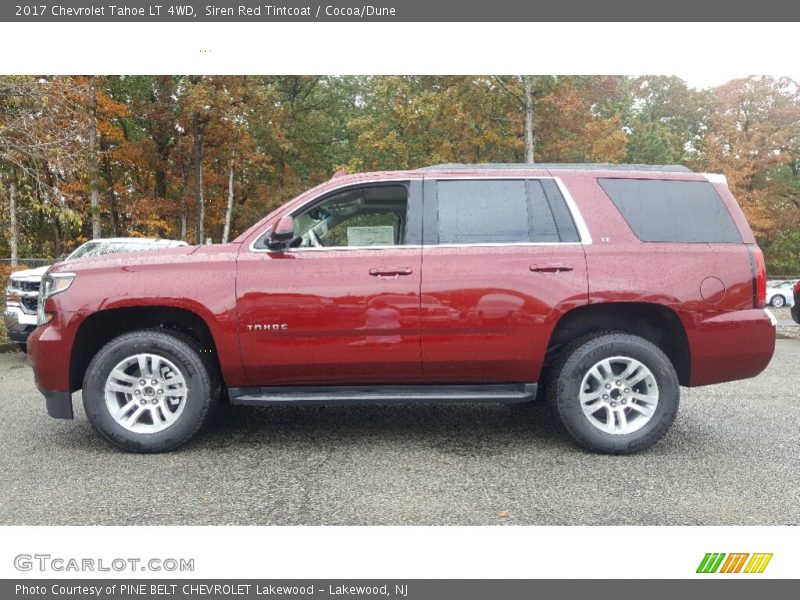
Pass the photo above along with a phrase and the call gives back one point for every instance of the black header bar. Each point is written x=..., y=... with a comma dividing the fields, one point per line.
x=401, y=11
x=383, y=589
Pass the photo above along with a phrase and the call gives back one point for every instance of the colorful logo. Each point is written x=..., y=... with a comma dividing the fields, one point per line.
x=734, y=563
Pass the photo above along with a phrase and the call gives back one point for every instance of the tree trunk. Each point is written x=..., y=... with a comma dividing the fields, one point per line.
x=229, y=211
x=12, y=225
x=57, y=251
x=527, y=83
x=187, y=171
x=111, y=195
x=197, y=159
x=95, y=192
x=161, y=183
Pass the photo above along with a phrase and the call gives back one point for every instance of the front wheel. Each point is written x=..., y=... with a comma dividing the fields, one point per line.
x=614, y=393
x=148, y=391
x=778, y=301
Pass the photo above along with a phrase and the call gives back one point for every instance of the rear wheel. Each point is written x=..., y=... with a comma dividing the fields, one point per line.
x=614, y=393
x=148, y=391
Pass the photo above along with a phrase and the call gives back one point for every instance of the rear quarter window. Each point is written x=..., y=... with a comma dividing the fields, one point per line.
x=659, y=210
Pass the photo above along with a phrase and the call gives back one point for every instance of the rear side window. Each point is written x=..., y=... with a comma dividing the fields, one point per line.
x=660, y=210
x=494, y=211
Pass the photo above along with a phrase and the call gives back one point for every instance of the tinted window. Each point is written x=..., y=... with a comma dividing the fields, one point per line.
x=364, y=216
x=494, y=211
x=672, y=211
x=567, y=231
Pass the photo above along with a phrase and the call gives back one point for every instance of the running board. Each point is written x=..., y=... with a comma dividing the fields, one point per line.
x=383, y=394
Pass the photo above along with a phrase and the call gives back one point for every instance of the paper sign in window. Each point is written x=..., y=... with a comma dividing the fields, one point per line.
x=378, y=235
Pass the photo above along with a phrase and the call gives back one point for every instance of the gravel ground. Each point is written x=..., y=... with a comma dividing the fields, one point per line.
x=787, y=328
x=730, y=459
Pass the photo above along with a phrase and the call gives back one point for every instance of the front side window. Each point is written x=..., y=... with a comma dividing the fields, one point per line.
x=359, y=217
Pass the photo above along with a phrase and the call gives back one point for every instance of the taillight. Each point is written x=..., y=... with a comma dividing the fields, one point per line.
x=796, y=288
x=759, y=277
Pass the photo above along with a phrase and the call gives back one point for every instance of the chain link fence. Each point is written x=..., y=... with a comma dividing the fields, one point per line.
x=26, y=263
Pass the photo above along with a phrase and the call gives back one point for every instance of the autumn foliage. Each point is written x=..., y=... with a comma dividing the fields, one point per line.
x=197, y=157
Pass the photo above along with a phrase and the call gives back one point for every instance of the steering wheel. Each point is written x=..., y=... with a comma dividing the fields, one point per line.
x=314, y=239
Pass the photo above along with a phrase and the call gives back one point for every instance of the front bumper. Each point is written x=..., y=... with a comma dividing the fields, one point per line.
x=17, y=332
x=50, y=362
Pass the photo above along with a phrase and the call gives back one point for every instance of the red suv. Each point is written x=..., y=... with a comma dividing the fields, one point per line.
x=608, y=286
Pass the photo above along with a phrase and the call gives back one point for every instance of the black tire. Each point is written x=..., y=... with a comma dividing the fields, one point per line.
x=575, y=362
x=185, y=354
x=778, y=301
x=23, y=348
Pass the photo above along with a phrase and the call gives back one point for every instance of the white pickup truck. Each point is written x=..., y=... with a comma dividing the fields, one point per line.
x=22, y=293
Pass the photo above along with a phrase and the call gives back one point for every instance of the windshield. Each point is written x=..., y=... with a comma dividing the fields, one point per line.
x=98, y=248
x=83, y=250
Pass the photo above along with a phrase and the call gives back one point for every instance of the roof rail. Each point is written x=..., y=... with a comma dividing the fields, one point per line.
x=564, y=166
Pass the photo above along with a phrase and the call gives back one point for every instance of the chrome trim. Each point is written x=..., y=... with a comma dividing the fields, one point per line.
x=577, y=217
x=583, y=230
x=502, y=244
x=773, y=321
x=429, y=246
x=346, y=248
x=716, y=178
x=20, y=293
x=25, y=310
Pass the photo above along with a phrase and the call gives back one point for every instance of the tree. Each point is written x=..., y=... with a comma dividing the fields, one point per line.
x=667, y=120
x=42, y=123
x=650, y=143
x=573, y=129
x=410, y=122
x=197, y=156
x=752, y=140
x=526, y=103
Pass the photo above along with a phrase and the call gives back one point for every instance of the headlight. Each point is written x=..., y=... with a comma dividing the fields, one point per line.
x=52, y=284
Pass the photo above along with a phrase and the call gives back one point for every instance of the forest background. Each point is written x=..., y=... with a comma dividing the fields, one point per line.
x=199, y=157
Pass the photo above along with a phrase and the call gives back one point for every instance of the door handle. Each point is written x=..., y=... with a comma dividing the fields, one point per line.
x=390, y=272
x=550, y=268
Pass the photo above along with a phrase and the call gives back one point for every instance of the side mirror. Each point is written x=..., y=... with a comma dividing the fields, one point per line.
x=282, y=235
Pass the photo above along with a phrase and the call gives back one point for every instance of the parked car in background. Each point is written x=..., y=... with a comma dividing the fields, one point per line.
x=607, y=286
x=780, y=294
x=22, y=293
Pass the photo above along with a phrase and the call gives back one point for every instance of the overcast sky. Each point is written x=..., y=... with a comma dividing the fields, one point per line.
x=708, y=79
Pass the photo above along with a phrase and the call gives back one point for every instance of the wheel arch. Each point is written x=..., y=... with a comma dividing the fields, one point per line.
x=656, y=323
x=101, y=327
